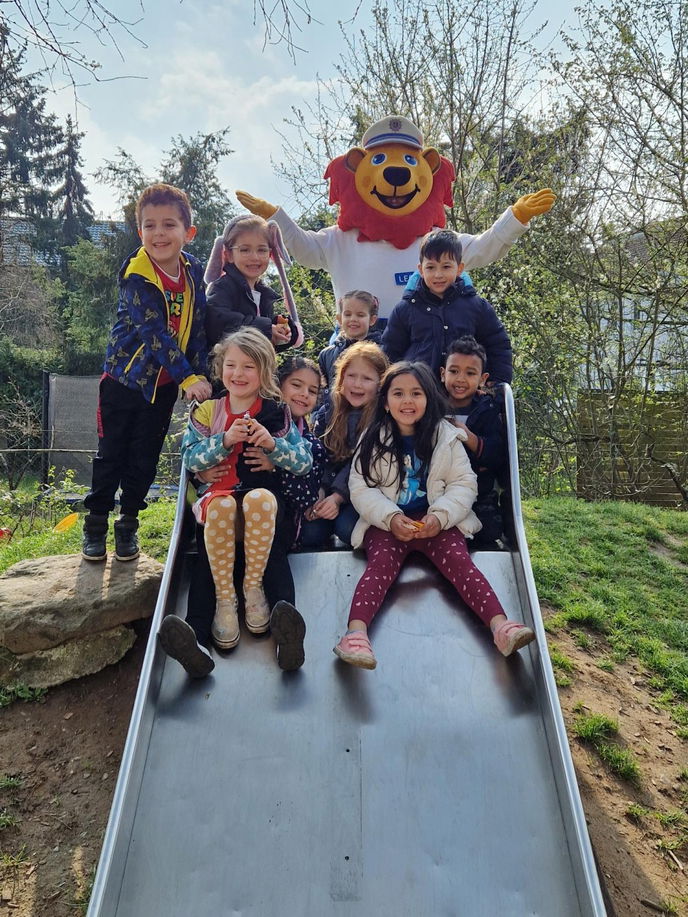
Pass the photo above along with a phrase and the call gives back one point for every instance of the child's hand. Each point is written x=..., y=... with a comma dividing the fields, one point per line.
x=237, y=433
x=257, y=460
x=199, y=391
x=403, y=528
x=259, y=436
x=430, y=526
x=470, y=439
x=210, y=475
x=328, y=507
x=281, y=333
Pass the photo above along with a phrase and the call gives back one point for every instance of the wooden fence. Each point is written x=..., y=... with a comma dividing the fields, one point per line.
x=633, y=447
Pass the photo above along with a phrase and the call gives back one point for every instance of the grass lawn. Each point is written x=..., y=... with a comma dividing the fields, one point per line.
x=615, y=571
x=618, y=571
x=41, y=541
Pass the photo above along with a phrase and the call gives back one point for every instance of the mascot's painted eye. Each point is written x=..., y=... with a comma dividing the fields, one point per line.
x=410, y=160
x=378, y=159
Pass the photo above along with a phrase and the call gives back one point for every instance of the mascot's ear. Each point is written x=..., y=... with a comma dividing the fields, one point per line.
x=354, y=157
x=432, y=157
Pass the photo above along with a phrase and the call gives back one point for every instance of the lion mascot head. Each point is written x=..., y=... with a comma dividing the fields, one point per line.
x=391, y=188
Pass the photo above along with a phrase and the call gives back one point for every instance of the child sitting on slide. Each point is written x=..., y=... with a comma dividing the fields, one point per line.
x=242, y=502
x=478, y=415
x=339, y=425
x=299, y=382
x=412, y=484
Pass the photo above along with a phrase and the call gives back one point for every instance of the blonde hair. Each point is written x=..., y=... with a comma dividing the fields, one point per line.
x=256, y=346
x=335, y=436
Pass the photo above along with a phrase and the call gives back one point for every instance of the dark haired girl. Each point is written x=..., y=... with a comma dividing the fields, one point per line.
x=412, y=484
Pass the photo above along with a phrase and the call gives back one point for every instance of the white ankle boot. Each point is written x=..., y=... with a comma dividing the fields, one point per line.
x=257, y=611
x=225, y=627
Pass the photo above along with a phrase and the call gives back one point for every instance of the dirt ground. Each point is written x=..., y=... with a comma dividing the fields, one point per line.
x=66, y=752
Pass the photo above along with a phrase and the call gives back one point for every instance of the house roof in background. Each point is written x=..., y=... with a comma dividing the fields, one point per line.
x=17, y=233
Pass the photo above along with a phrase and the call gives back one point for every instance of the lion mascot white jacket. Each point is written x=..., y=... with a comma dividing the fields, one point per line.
x=391, y=191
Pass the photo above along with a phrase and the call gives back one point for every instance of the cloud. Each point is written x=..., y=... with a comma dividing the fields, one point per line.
x=205, y=67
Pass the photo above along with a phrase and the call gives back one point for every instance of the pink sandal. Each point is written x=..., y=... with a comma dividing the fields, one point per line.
x=355, y=648
x=510, y=636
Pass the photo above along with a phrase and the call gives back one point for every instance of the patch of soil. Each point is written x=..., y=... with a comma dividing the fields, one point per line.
x=640, y=873
x=66, y=751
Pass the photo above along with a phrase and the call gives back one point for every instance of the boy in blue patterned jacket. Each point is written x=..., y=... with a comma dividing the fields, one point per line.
x=157, y=346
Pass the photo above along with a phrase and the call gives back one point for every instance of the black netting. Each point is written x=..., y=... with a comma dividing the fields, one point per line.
x=72, y=438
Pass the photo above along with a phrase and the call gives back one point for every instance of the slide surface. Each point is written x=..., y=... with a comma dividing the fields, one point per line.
x=439, y=784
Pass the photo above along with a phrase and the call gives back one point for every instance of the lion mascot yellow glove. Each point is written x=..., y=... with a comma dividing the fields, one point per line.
x=391, y=191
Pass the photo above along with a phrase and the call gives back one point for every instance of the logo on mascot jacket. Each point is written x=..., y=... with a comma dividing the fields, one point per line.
x=392, y=188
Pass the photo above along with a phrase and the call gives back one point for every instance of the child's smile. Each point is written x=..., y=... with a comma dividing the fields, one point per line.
x=300, y=391
x=163, y=235
x=462, y=376
x=355, y=319
x=250, y=254
x=360, y=383
x=406, y=402
x=439, y=273
x=241, y=378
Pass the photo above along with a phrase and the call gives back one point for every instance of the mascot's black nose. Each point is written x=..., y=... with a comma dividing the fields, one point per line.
x=396, y=176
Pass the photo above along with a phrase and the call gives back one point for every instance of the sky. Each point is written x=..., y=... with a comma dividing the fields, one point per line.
x=199, y=66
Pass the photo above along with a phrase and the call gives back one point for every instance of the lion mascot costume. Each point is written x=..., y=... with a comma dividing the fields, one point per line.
x=391, y=191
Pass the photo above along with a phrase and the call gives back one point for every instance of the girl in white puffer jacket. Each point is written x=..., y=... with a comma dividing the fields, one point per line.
x=412, y=484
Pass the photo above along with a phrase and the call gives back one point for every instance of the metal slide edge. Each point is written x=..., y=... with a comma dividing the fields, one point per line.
x=561, y=749
x=138, y=733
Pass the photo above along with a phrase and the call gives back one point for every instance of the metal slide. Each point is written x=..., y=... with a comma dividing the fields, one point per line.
x=439, y=785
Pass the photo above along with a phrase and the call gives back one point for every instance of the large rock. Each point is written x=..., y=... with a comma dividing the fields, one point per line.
x=51, y=600
x=74, y=659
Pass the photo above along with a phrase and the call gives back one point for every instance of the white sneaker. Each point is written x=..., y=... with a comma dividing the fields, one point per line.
x=257, y=611
x=225, y=627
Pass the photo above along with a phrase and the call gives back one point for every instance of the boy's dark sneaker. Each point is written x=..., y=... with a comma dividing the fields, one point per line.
x=94, y=545
x=179, y=641
x=288, y=628
x=126, y=539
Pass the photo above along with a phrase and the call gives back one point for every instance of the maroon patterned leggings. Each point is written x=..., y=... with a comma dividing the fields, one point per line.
x=448, y=552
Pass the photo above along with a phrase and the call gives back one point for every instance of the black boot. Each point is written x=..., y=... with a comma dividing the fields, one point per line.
x=126, y=541
x=95, y=536
x=288, y=628
x=179, y=641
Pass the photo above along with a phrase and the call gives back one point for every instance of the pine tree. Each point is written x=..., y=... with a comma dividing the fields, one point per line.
x=75, y=210
x=29, y=137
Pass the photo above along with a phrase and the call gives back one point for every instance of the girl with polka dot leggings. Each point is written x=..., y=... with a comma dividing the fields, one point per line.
x=412, y=484
x=240, y=504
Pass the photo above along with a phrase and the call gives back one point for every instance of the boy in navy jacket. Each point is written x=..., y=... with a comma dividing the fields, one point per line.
x=479, y=415
x=443, y=308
